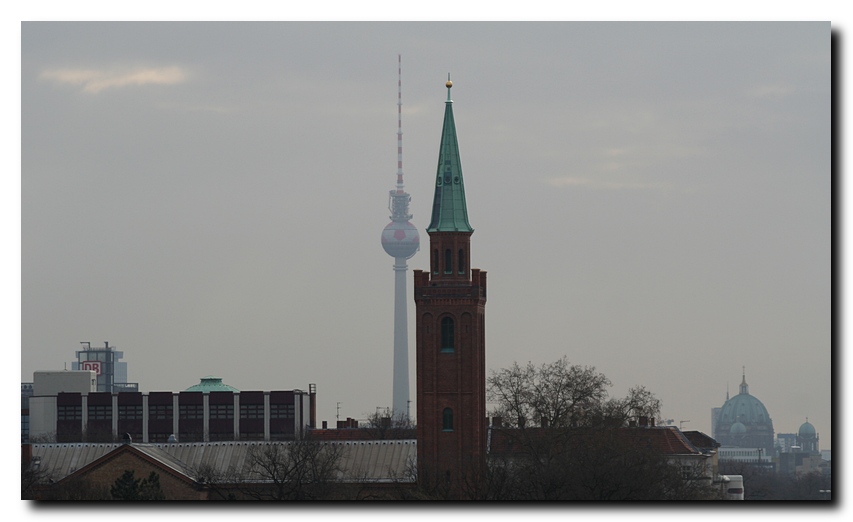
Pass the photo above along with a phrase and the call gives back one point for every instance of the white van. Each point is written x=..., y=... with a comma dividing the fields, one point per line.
x=732, y=486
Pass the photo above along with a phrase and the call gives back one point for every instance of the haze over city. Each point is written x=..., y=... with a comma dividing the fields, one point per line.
x=651, y=199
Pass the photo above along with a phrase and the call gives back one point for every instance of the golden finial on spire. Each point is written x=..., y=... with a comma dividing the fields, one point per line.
x=449, y=84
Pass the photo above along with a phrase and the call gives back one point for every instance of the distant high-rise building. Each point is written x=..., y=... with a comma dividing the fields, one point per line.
x=715, y=415
x=105, y=362
x=400, y=240
x=785, y=442
x=450, y=300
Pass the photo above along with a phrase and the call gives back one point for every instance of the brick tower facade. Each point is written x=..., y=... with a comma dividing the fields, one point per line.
x=450, y=302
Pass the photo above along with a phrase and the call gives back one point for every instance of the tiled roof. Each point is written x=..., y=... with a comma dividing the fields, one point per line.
x=667, y=440
x=701, y=440
x=363, y=461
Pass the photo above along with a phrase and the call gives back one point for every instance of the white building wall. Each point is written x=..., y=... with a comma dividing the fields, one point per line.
x=746, y=455
x=42, y=417
x=306, y=412
x=54, y=382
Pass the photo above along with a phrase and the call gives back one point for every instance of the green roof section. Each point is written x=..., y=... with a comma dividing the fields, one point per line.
x=449, y=211
x=209, y=384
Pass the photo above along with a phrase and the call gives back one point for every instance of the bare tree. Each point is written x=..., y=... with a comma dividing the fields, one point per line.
x=697, y=483
x=639, y=402
x=220, y=484
x=298, y=470
x=33, y=479
x=44, y=438
x=558, y=394
x=562, y=439
x=388, y=427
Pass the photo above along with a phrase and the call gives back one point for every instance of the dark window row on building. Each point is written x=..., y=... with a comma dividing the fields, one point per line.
x=150, y=417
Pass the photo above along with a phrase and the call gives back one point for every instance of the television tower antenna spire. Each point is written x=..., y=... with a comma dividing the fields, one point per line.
x=400, y=241
x=400, y=123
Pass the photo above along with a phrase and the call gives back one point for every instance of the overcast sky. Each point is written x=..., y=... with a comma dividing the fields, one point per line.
x=651, y=199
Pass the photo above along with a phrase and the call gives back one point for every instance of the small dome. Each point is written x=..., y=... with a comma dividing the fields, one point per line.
x=400, y=239
x=737, y=429
x=211, y=383
x=807, y=431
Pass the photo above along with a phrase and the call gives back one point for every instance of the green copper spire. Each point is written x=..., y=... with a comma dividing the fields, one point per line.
x=449, y=212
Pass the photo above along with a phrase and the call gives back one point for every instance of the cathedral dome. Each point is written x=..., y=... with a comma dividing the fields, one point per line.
x=807, y=431
x=400, y=239
x=743, y=422
x=744, y=408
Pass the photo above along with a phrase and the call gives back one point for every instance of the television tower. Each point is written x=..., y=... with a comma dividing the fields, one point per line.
x=400, y=241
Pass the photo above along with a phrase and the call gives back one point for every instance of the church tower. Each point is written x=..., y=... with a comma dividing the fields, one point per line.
x=450, y=302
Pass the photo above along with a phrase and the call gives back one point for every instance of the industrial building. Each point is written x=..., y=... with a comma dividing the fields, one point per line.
x=211, y=413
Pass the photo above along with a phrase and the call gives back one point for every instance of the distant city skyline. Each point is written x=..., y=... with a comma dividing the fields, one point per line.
x=207, y=197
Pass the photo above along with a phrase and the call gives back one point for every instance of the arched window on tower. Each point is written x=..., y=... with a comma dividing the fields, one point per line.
x=447, y=335
x=447, y=419
x=461, y=263
x=435, y=261
x=448, y=261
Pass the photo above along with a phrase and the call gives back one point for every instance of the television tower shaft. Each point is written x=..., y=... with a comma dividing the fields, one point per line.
x=400, y=240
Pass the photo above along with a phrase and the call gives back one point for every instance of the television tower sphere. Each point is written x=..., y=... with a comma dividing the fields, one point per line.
x=400, y=239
